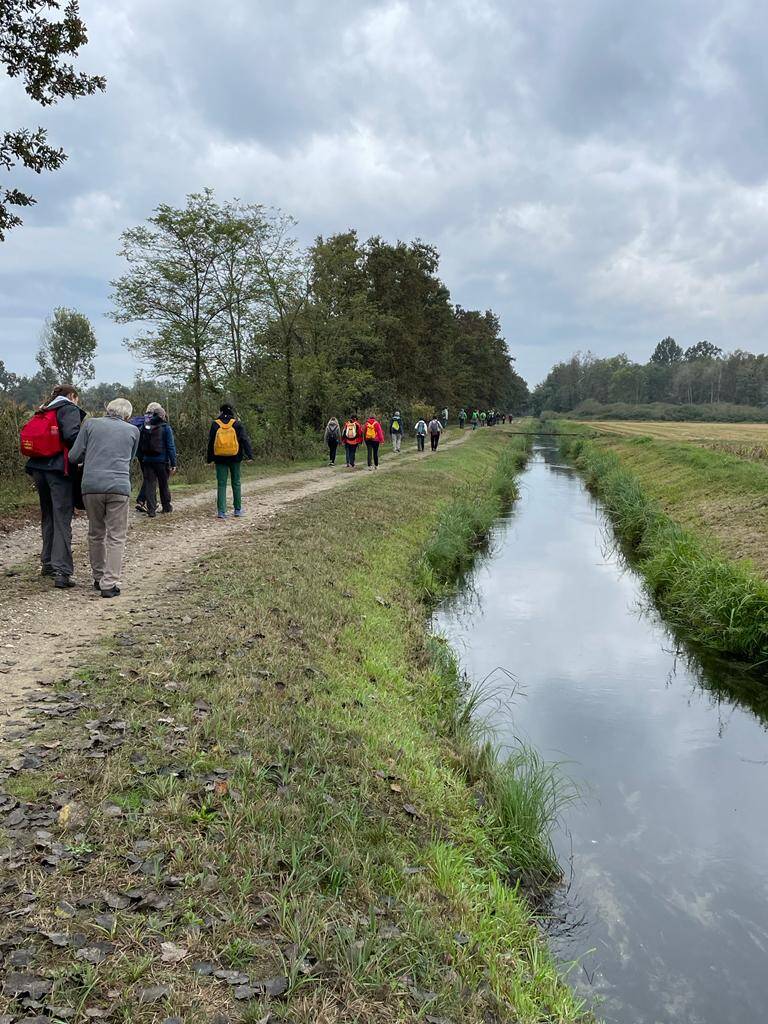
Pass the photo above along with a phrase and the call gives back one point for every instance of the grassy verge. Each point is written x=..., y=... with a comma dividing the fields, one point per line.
x=264, y=808
x=716, y=602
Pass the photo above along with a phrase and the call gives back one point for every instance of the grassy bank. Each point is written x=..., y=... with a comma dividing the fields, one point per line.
x=715, y=601
x=269, y=805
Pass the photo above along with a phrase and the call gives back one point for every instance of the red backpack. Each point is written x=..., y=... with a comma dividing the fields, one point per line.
x=40, y=436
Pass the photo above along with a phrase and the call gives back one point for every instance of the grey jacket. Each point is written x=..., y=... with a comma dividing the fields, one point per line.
x=106, y=447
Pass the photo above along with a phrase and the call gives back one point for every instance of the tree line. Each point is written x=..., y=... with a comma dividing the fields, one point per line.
x=699, y=375
x=231, y=305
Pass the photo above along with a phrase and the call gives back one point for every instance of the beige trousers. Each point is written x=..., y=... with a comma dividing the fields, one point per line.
x=107, y=529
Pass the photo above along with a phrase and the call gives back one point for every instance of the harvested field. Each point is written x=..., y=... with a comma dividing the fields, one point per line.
x=749, y=434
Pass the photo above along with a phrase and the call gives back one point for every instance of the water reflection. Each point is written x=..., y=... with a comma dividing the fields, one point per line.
x=669, y=847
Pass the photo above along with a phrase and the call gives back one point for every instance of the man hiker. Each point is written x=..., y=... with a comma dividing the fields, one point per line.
x=157, y=450
x=475, y=419
x=352, y=436
x=462, y=418
x=445, y=418
x=435, y=430
x=396, y=432
x=46, y=440
x=228, y=444
x=106, y=447
x=420, y=429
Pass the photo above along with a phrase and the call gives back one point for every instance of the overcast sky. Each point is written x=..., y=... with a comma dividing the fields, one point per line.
x=593, y=171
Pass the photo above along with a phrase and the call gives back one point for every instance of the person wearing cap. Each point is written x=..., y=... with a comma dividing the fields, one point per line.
x=396, y=432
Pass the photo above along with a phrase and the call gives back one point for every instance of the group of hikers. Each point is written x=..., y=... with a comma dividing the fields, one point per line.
x=371, y=433
x=85, y=462
x=79, y=462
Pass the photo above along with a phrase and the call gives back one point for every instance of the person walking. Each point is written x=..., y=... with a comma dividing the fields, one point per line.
x=396, y=432
x=374, y=435
x=106, y=447
x=46, y=440
x=483, y=418
x=462, y=418
x=475, y=419
x=435, y=430
x=138, y=422
x=352, y=436
x=444, y=416
x=157, y=449
x=420, y=429
x=332, y=436
x=228, y=444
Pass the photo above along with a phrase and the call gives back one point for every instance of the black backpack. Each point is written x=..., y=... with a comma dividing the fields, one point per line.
x=151, y=439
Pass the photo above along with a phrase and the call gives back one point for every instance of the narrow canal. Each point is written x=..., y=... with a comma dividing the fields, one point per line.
x=666, y=851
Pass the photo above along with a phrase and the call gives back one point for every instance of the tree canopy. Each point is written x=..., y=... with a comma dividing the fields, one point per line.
x=34, y=47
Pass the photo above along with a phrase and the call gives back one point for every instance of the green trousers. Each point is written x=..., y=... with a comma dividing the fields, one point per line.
x=223, y=471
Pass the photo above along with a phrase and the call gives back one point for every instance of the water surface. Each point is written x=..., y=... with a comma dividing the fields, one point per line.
x=667, y=850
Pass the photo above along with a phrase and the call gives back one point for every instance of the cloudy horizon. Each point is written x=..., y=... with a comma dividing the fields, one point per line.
x=595, y=174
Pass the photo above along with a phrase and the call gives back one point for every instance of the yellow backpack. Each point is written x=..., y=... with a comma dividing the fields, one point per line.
x=225, y=442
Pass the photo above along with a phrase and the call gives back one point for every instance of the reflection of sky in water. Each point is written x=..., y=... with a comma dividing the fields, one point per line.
x=670, y=842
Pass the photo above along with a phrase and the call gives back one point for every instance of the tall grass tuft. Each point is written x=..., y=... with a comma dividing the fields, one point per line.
x=719, y=604
x=464, y=522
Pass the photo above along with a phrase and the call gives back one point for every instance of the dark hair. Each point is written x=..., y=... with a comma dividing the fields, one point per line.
x=226, y=409
x=61, y=391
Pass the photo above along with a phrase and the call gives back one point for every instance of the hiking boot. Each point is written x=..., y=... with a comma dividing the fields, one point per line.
x=166, y=511
x=47, y=570
x=96, y=585
x=63, y=582
x=141, y=507
x=239, y=513
x=112, y=592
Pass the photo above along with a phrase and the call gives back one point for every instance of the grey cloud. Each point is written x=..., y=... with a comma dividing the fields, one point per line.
x=594, y=172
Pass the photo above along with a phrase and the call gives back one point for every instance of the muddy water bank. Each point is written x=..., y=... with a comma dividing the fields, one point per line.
x=667, y=851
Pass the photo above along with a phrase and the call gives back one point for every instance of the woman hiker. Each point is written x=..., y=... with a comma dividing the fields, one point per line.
x=157, y=452
x=420, y=429
x=46, y=440
x=332, y=437
x=106, y=447
x=228, y=444
x=352, y=436
x=374, y=435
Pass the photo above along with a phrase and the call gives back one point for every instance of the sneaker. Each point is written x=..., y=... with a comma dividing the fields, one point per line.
x=64, y=582
x=239, y=512
x=221, y=515
x=141, y=507
x=112, y=592
x=47, y=570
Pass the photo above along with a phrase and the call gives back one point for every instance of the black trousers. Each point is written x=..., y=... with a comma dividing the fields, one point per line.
x=434, y=440
x=156, y=476
x=57, y=506
x=373, y=452
x=332, y=446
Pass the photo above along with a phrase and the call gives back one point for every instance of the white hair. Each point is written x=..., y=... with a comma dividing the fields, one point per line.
x=120, y=408
x=156, y=407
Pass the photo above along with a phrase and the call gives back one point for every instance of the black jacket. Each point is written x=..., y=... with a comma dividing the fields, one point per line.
x=69, y=417
x=245, y=451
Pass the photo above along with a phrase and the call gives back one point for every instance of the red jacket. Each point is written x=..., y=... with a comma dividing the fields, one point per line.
x=358, y=439
x=377, y=426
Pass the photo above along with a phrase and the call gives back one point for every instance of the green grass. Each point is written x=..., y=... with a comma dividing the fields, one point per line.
x=318, y=787
x=717, y=603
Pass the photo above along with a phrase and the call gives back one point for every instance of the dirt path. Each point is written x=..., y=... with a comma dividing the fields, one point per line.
x=45, y=633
